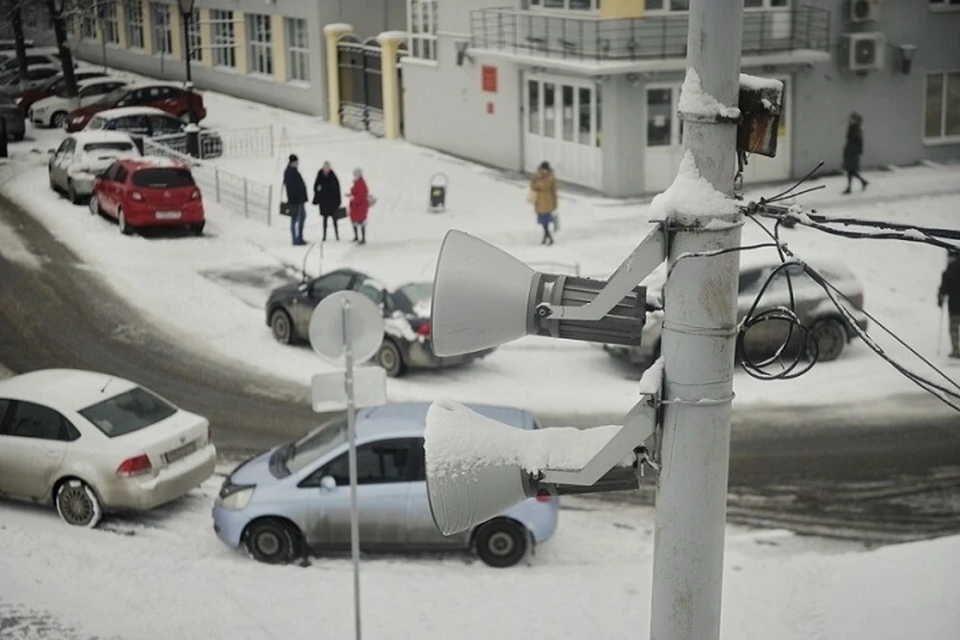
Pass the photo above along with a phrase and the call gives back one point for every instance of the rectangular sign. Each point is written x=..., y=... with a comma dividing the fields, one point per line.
x=489, y=78
x=329, y=391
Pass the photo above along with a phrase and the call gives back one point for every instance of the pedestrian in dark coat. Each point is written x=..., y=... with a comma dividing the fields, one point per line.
x=359, y=207
x=296, y=190
x=950, y=290
x=326, y=193
x=852, y=151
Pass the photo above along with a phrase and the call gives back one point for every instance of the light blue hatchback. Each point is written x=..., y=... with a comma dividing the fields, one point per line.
x=295, y=499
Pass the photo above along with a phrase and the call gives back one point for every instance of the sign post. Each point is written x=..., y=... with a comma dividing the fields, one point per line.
x=347, y=328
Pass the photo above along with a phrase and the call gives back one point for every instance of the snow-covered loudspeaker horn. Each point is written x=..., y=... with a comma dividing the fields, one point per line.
x=472, y=475
x=481, y=296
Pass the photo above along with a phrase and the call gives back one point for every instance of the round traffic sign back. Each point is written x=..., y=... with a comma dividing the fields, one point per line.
x=363, y=330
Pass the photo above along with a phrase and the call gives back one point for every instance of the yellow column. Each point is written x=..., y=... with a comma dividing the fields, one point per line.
x=206, y=37
x=240, y=40
x=622, y=8
x=390, y=42
x=121, y=25
x=147, y=28
x=176, y=33
x=278, y=39
x=332, y=34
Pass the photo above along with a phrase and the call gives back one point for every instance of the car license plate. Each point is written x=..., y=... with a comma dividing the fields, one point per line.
x=168, y=215
x=180, y=452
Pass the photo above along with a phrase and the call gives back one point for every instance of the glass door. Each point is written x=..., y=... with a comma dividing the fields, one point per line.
x=663, y=153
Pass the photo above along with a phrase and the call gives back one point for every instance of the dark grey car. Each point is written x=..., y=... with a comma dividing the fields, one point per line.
x=406, y=315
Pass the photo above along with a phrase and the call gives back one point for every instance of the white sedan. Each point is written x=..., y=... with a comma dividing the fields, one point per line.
x=52, y=111
x=74, y=165
x=91, y=443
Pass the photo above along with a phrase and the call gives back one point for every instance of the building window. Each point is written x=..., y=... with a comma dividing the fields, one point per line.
x=195, y=39
x=298, y=49
x=88, y=19
x=566, y=5
x=162, y=33
x=422, y=19
x=942, y=109
x=133, y=11
x=111, y=35
x=224, y=44
x=261, y=44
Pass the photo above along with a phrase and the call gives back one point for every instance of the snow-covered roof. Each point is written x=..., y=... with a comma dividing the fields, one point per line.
x=121, y=112
x=64, y=389
x=163, y=162
x=97, y=135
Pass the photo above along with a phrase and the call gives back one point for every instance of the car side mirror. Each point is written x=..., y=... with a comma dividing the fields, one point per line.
x=328, y=483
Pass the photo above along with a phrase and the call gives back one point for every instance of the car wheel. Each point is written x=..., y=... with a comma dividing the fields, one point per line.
x=125, y=229
x=282, y=326
x=72, y=193
x=198, y=228
x=390, y=359
x=53, y=185
x=501, y=543
x=831, y=337
x=58, y=119
x=272, y=541
x=77, y=504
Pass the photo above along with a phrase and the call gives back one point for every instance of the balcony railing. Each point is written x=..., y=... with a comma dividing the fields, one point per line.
x=656, y=37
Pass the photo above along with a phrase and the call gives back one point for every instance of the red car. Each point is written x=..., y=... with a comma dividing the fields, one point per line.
x=55, y=85
x=173, y=99
x=148, y=192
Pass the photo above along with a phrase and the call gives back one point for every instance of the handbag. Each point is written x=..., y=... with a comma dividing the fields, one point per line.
x=556, y=223
x=340, y=213
x=531, y=196
x=286, y=209
x=371, y=200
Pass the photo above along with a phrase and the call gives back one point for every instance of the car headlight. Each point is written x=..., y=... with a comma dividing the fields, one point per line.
x=236, y=497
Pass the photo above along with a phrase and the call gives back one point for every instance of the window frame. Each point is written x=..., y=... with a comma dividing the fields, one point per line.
x=161, y=21
x=298, y=49
x=260, y=45
x=133, y=23
x=422, y=42
x=539, y=7
x=943, y=138
x=408, y=475
x=194, y=44
x=88, y=19
x=224, y=39
x=66, y=431
x=109, y=23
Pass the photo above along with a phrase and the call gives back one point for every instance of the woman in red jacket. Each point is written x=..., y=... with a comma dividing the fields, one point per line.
x=359, y=207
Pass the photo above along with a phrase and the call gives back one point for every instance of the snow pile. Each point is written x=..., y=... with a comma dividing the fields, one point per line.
x=690, y=195
x=13, y=248
x=337, y=27
x=694, y=101
x=458, y=440
x=757, y=83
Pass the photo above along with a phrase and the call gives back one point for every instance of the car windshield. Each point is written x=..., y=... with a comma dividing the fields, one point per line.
x=293, y=457
x=128, y=412
x=94, y=147
x=163, y=178
x=415, y=297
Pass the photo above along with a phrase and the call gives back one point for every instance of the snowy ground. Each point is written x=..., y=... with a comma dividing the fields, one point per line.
x=592, y=580
x=210, y=291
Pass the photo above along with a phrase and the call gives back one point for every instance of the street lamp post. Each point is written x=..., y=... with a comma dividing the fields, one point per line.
x=192, y=130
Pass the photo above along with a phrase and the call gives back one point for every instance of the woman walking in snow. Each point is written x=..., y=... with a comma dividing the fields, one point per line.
x=852, y=151
x=359, y=207
x=543, y=197
x=326, y=193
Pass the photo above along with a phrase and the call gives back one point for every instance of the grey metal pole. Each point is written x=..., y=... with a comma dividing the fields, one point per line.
x=352, y=458
x=698, y=343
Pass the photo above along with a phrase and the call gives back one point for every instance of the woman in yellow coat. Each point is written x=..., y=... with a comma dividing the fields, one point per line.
x=543, y=197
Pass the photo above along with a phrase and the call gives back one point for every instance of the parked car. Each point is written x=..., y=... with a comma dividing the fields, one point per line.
x=36, y=76
x=53, y=86
x=43, y=56
x=74, y=166
x=150, y=122
x=91, y=443
x=7, y=45
x=170, y=98
x=52, y=111
x=406, y=312
x=149, y=192
x=12, y=120
x=295, y=499
x=814, y=309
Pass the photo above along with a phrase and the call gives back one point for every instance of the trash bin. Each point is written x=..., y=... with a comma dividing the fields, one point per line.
x=438, y=192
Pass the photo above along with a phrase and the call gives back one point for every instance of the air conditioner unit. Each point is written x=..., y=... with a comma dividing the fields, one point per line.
x=864, y=10
x=865, y=51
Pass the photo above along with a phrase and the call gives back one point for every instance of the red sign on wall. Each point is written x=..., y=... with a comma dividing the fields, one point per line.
x=489, y=78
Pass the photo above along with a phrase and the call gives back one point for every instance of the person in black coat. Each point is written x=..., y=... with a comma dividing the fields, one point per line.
x=852, y=151
x=297, y=198
x=326, y=193
x=950, y=290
